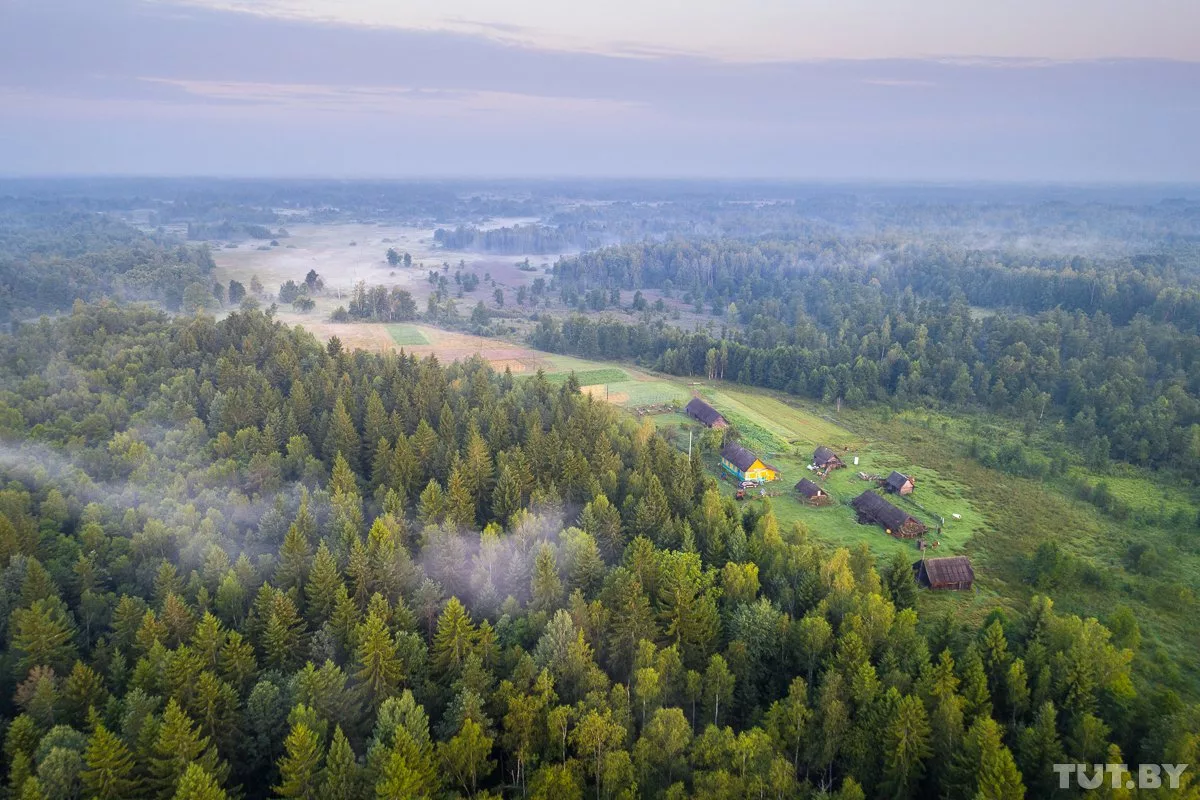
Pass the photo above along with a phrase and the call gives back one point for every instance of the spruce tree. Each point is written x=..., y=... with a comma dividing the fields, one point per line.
x=342, y=777
x=300, y=765
x=110, y=773
x=342, y=438
x=178, y=745
x=198, y=784
x=377, y=668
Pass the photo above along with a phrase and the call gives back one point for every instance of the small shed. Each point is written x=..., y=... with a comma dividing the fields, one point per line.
x=825, y=459
x=702, y=412
x=813, y=494
x=899, y=483
x=873, y=509
x=954, y=572
x=745, y=465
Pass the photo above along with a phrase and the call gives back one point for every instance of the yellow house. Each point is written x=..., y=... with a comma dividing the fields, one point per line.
x=745, y=465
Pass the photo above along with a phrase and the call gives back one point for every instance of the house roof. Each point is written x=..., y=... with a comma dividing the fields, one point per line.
x=703, y=411
x=896, y=480
x=954, y=569
x=823, y=455
x=739, y=456
x=881, y=511
x=809, y=489
x=742, y=458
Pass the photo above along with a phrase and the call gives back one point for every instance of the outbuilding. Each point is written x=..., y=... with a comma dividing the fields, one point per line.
x=825, y=459
x=954, y=573
x=812, y=494
x=873, y=509
x=702, y=412
x=899, y=483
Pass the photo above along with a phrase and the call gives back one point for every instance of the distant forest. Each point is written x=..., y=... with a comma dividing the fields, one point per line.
x=50, y=259
x=1108, y=346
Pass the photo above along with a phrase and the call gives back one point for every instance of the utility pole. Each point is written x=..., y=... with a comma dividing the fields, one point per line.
x=689, y=443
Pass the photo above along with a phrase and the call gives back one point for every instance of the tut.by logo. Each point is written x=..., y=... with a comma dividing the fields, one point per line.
x=1148, y=776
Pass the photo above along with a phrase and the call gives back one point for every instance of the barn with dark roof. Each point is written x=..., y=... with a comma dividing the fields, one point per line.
x=899, y=483
x=745, y=465
x=825, y=459
x=954, y=572
x=812, y=494
x=873, y=509
x=702, y=412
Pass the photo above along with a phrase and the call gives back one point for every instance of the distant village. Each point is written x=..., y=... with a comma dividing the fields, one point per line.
x=749, y=472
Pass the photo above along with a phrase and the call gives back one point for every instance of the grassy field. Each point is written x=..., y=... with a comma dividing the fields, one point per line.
x=591, y=377
x=405, y=335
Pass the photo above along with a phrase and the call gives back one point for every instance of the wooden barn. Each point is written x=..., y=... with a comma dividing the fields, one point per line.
x=954, y=573
x=899, y=483
x=745, y=465
x=873, y=509
x=812, y=494
x=824, y=459
x=702, y=412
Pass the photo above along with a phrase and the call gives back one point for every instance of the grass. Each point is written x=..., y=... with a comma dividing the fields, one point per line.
x=591, y=377
x=649, y=392
x=404, y=335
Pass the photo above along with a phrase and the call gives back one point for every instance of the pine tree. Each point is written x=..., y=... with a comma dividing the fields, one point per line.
x=377, y=668
x=323, y=582
x=905, y=746
x=899, y=582
x=179, y=744
x=545, y=586
x=454, y=640
x=43, y=636
x=431, y=506
x=1039, y=748
x=342, y=437
x=110, y=773
x=294, y=560
x=300, y=765
x=283, y=639
x=197, y=784
x=983, y=768
x=652, y=512
x=375, y=425
x=405, y=470
x=342, y=776
x=506, y=499
x=460, y=505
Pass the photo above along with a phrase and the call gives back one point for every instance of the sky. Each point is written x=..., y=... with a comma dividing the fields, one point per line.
x=923, y=90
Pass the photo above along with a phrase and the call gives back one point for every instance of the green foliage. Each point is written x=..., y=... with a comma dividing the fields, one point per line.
x=671, y=644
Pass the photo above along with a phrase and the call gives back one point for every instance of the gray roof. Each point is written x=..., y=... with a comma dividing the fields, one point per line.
x=823, y=455
x=809, y=489
x=739, y=456
x=897, y=480
x=954, y=569
x=703, y=411
x=880, y=510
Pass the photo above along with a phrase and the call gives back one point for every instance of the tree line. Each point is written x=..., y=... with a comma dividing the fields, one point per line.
x=1108, y=350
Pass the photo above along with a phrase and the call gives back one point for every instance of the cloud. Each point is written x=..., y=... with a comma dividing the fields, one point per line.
x=146, y=87
x=407, y=100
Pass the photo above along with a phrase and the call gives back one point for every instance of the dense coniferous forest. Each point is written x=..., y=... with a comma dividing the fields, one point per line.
x=241, y=563
x=1107, y=346
x=237, y=562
